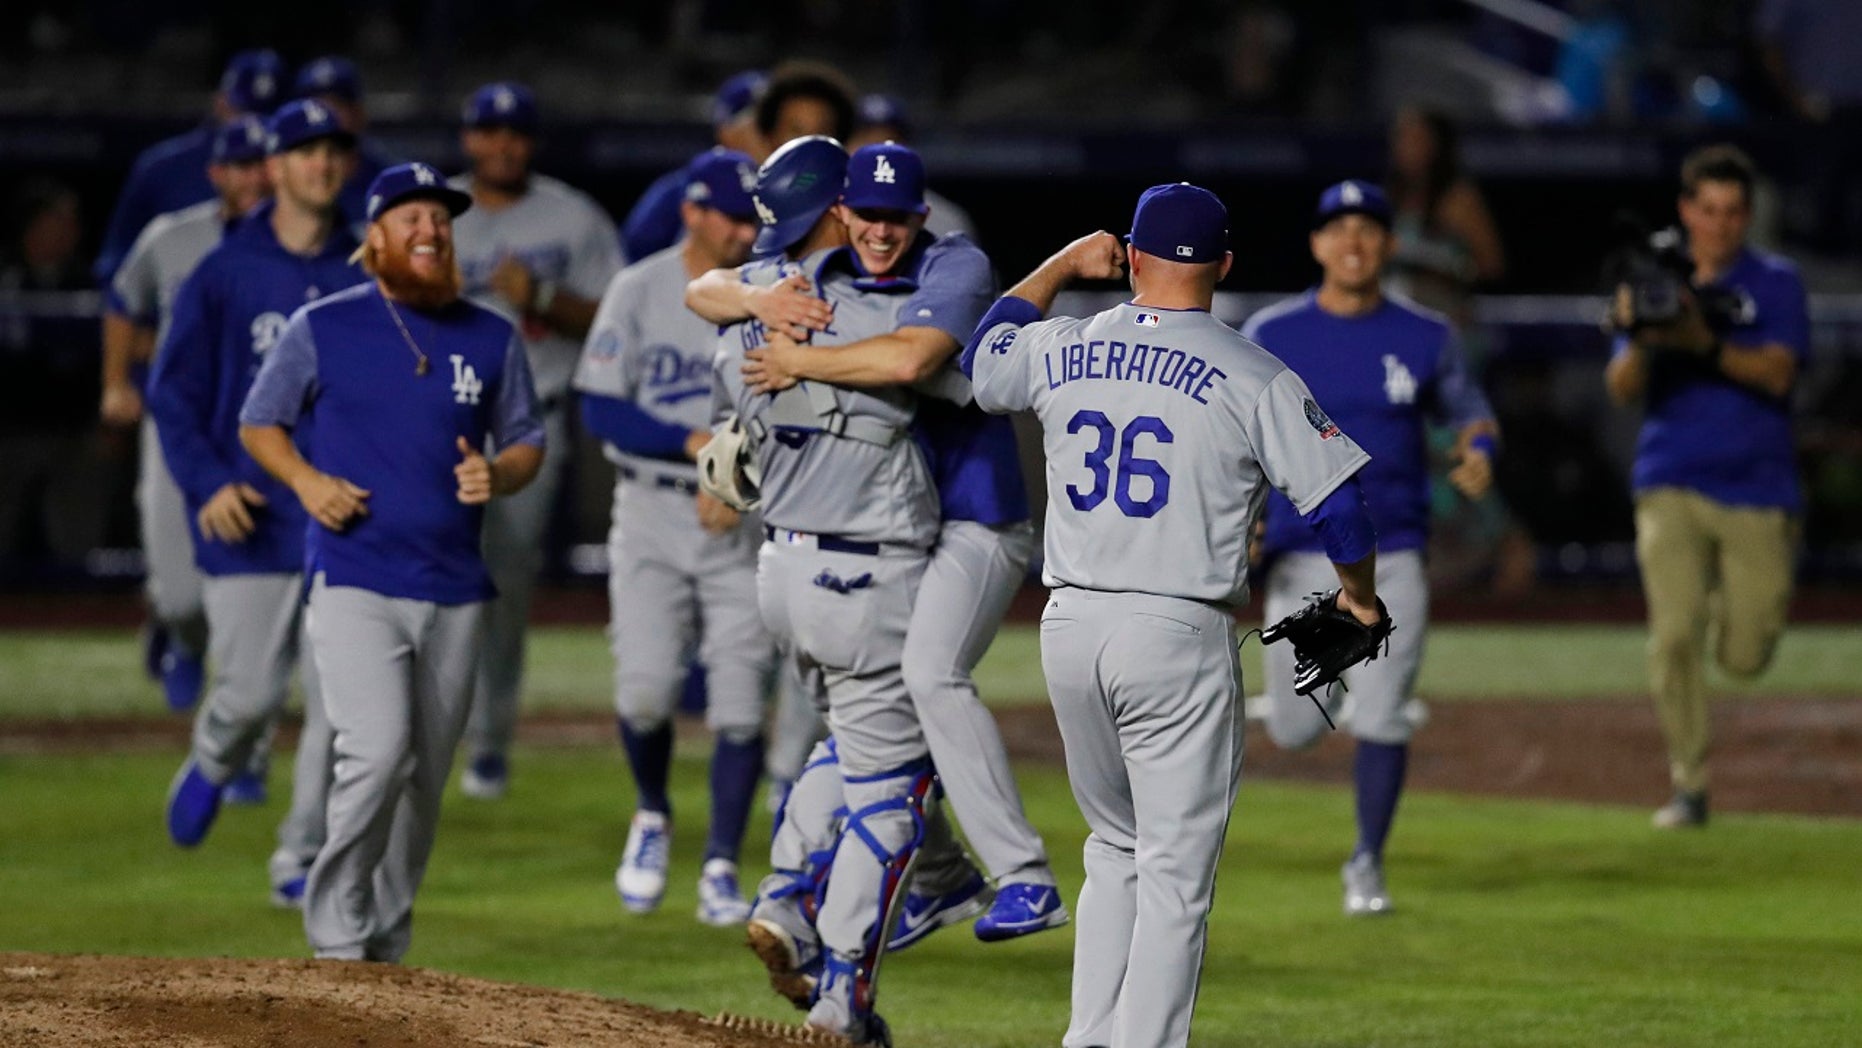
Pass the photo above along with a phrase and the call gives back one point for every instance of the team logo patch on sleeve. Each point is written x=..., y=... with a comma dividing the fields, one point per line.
x=1327, y=430
x=1001, y=343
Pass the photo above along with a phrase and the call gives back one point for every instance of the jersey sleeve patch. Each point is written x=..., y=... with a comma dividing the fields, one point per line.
x=1316, y=417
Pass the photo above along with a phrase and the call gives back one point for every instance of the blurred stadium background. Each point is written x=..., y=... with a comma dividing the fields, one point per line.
x=1043, y=120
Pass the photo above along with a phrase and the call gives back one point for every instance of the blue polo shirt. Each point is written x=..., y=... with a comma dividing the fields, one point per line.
x=228, y=315
x=167, y=176
x=344, y=371
x=1382, y=377
x=972, y=454
x=1703, y=431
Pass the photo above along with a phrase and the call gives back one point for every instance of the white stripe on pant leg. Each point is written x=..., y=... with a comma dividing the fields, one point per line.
x=364, y=658
x=254, y=623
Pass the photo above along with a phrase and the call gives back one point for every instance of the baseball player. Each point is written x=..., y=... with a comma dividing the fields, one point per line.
x=656, y=220
x=937, y=288
x=399, y=384
x=1384, y=368
x=542, y=253
x=1162, y=429
x=136, y=312
x=850, y=513
x=682, y=565
x=882, y=118
x=334, y=81
x=172, y=173
x=249, y=532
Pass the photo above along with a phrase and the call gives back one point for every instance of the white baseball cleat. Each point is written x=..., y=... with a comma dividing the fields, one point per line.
x=720, y=902
x=1365, y=894
x=641, y=877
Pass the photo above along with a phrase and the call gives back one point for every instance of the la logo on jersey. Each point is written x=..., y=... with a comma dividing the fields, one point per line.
x=883, y=172
x=266, y=330
x=466, y=384
x=1399, y=384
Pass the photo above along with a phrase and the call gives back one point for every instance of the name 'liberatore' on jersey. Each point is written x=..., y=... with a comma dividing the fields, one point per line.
x=1159, y=427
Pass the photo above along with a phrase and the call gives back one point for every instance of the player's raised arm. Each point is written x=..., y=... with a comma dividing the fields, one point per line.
x=999, y=373
x=788, y=306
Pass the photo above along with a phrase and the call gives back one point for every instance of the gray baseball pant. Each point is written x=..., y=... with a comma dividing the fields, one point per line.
x=1146, y=690
x=846, y=615
x=515, y=528
x=173, y=582
x=254, y=630
x=1377, y=694
x=398, y=677
x=973, y=575
x=797, y=725
x=667, y=578
x=300, y=835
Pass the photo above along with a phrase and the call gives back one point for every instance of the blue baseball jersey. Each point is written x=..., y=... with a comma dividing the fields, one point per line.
x=1710, y=434
x=229, y=313
x=949, y=283
x=1382, y=377
x=653, y=225
x=344, y=367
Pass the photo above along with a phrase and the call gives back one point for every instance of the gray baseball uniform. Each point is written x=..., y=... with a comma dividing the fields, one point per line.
x=562, y=237
x=1162, y=430
x=667, y=575
x=144, y=290
x=851, y=519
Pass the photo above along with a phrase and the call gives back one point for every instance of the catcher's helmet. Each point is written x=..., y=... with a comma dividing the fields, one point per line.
x=795, y=187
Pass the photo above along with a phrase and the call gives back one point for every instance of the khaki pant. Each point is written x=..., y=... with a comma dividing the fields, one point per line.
x=1705, y=565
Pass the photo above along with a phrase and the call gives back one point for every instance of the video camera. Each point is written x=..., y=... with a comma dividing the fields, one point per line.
x=1658, y=273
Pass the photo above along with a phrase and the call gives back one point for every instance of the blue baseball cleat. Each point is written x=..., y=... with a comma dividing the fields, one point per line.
x=289, y=895
x=183, y=676
x=487, y=778
x=246, y=788
x=193, y=803
x=920, y=915
x=1022, y=909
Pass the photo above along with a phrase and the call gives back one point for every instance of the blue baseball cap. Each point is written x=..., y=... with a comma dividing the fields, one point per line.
x=1180, y=222
x=502, y=104
x=254, y=81
x=795, y=187
x=1352, y=197
x=240, y=140
x=330, y=75
x=301, y=122
x=887, y=175
x=723, y=179
x=737, y=95
x=884, y=111
x=416, y=181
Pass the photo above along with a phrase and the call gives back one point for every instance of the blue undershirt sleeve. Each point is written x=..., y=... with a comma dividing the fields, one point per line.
x=625, y=425
x=1008, y=310
x=1343, y=522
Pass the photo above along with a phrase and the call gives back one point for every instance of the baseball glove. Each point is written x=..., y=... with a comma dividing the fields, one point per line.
x=728, y=469
x=1328, y=640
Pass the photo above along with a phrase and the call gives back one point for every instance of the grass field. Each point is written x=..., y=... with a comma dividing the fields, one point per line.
x=1519, y=923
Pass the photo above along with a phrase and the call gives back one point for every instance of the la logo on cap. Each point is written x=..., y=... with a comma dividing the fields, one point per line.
x=882, y=172
x=314, y=113
x=423, y=175
x=1351, y=195
x=503, y=100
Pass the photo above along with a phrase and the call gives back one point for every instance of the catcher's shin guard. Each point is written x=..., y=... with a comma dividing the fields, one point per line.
x=887, y=815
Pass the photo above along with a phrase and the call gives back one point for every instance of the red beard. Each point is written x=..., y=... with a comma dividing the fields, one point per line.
x=394, y=268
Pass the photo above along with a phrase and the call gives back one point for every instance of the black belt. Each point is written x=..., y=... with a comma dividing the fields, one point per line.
x=830, y=543
x=661, y=480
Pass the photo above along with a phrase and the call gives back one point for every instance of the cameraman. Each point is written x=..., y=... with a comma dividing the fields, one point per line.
x=1715, y=476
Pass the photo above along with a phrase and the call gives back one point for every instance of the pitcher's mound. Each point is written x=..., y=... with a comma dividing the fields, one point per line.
x=54, y=1001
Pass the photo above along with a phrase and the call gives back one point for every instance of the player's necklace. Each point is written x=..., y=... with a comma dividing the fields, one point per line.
x=420, y=359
